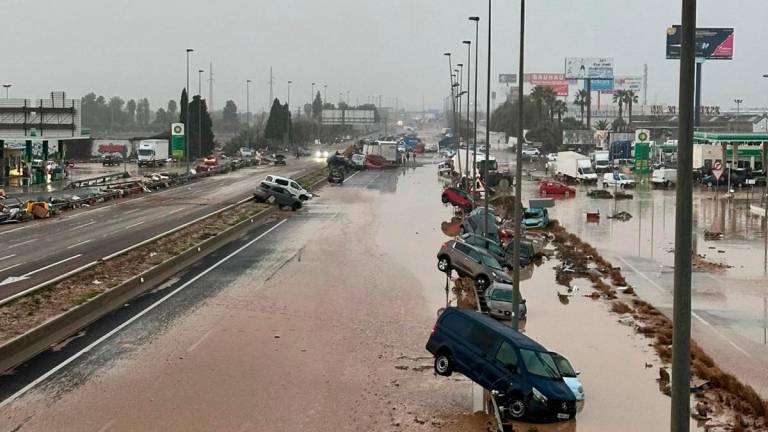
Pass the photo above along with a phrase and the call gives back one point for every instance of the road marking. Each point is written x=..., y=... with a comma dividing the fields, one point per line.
x=694, y=314
x=8, y=268
x=199, y=341
x=356, y=173
x=23, y=243
x=51, y=265
x=83, y=225
x=78, y=244
x=131, y=211
x=98, y=341
x=641, y=274
x=15, y=229
x=711, y=327
x=175, y=211
x=131, y=226
x=107, y=426
x=6, y=257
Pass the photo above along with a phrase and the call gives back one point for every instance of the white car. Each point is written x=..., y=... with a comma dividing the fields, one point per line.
x=571, y=378
x=531, y=152
x=292, y=186
x=616, y=179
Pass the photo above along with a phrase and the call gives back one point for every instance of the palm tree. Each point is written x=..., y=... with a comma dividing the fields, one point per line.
x=630, y=98
x=602, y=125
x=581, y=101
x=550, y=97
x=538, y=96
x=559, y=108
x=618, y=97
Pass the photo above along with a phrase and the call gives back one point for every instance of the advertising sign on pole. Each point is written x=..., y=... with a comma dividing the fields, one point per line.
x=711, y=43
x=601, y=85
x=625, y=82
x=507, y=78
x=177, y=140
x=589, y=67
x=554, y=81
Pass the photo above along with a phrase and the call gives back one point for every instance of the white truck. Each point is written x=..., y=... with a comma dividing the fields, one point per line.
x=664, y=177
x=575, y=167
x=602, y=161
x=153, y=152
x=385, y=149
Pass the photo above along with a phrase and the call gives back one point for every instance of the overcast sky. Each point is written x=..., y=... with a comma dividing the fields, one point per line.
x=135, y=48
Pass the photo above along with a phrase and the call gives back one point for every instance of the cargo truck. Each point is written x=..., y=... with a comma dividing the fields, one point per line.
x=153, y=152
x=574, y=167
x=602, y=161
x=385, y=149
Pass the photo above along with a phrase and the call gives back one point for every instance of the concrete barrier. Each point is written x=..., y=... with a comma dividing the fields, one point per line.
x=28, y=345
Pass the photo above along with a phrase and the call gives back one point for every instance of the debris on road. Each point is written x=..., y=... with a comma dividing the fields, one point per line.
x=713, y=235
x=622, y=216
x=621, y=195
x=700, y=263
x=599, y=194
x=593, y=217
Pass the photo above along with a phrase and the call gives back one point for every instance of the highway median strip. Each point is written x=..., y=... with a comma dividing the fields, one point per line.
x=24, y=320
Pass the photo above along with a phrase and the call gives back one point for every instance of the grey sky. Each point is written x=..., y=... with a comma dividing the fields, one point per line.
x=135, y=48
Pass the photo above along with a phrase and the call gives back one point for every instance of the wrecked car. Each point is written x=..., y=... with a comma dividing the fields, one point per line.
x=274, y=194
x=472, y=262
x=504, y=255
x=498, y=297
x=571, y=378
x=535, y=218
x=457, y=198
x=519, y=371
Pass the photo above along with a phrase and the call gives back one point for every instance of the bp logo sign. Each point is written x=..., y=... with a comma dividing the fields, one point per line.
x=642, y=135
x=178, y=130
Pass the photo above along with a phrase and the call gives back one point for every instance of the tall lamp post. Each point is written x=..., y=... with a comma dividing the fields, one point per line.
x=477, y=72
x=7, y=86
x=738, y=105
x=453, y=99
x=325, y=94
x=312, y=95
x=288, y=117
x=469, y=93
x=518, y=177
x=200, y=111
x=186, y=116
x=248, y=103
x=681, y=303
x=487, y=118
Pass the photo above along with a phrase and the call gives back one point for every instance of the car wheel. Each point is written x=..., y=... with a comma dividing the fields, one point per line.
x=506, y=268
x=443, y=364
x=516, y=407
x=503, y=183
x=481, y=282
x=295, y=206
x=445, y=199
x=303, y=197
x=444, y=264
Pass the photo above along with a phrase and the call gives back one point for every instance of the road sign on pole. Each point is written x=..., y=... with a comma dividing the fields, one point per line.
x=177, y=140
x=717, y=170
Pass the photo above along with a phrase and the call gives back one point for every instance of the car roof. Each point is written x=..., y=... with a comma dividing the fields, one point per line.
x=520, y=340
x=478, y=249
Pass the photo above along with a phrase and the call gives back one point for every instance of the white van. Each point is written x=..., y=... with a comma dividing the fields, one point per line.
x=664, y=177
x=290, y=185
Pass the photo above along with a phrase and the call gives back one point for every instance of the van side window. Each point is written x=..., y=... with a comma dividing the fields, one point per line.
x=281, y=182
x=456, y=324
x=507, y=356
x=483, y=338
x=295, y=185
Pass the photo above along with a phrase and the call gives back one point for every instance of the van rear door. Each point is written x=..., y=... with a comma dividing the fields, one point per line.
x=482, y=343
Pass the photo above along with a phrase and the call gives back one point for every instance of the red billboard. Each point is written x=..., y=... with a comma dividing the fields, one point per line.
x=555, y=81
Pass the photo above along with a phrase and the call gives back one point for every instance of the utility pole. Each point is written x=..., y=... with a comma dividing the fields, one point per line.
x=469, y=91
x=200, y=111
x=210, y=87
x=488, y=120
x=186, y=115
x=681, y=308
x=517, y=220
x=271, y=83
x=477, y=72
x=738, y=105
x=248, y=103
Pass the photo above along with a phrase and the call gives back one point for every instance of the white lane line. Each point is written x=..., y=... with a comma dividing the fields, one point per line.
x=6, y=257
x=15, y=229
x=51, y=265
x=107, y=426
x=131, y=211
x=78, y=244
x=694, y=314
x=131, y=226
x=23, y=243
x=83, y=225
x=199, y=341
x=641, y=274
x=8, y=268
x=98, y=341
x=722, y=336
x=356, y=173
x=175, y=211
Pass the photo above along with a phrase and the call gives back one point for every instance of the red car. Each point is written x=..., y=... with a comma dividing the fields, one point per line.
x=457, y=198
x=549, y=187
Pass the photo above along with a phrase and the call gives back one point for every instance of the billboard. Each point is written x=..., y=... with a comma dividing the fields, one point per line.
x=555, y=81
x=103, y=147
x=628, y=82
x=601, y=85
x=353, y=116
x=577, y=138
x=711, y=43
x=589, y=67
x=507, y=78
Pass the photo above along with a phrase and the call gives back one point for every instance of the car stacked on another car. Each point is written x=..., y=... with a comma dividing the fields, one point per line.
x=292, y=186
x=274, y=194
x=457, y=198
x=471, y=261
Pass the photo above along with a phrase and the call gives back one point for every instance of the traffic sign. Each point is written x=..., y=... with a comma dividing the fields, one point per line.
x=717, y=170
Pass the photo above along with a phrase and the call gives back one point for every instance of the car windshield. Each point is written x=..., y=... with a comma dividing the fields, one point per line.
x=490, y=261
x=587, y=170
x=504, y=295
x=540, y=363
x=564, y=366
x=146, y=152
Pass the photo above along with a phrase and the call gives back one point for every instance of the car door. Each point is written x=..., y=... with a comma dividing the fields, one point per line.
x=295, y=186
x=504, y=367
x=461, y=259
x=483, y=343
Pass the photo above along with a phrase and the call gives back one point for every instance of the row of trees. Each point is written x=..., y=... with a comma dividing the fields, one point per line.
x=115, y=114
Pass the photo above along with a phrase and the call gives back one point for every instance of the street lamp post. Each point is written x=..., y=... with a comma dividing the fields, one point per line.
x=248, y=103
x=7, y=86
x=186, y=116
x=288, y=117
x=738, y=105
x=477, y=72
x=487, y=119
x=469, y=92
x=518, y=178
x=681, y=303
x=325, y=94
x=453, y=102
x=312, y=95
x=200, y=110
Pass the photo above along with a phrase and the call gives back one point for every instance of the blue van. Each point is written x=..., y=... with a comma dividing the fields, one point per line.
x=500, y=359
